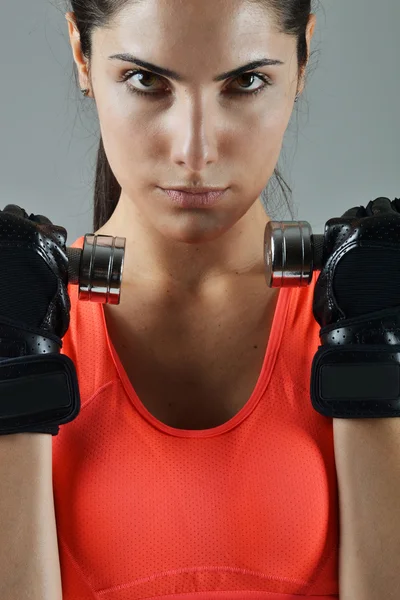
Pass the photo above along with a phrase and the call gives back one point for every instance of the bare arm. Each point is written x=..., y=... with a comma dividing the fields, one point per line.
x=29, y=560
x=367, y=453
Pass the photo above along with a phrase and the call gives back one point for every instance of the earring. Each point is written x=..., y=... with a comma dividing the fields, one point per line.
x=297, y=97
x=85, y=92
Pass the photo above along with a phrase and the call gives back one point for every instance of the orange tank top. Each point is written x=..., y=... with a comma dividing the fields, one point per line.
x=246, y=510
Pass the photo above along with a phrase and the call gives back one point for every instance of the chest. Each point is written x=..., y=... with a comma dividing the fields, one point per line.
x=194, y=367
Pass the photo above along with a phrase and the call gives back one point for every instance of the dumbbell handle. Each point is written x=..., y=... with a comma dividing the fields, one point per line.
x=318, y=245
x=74, y=263
x=292, y=253
x=97, y=268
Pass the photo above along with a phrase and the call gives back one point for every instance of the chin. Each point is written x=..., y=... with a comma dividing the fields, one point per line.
x=195, y=232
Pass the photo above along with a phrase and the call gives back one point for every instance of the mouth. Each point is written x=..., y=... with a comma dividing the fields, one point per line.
x=197, y=199
x=196, y=190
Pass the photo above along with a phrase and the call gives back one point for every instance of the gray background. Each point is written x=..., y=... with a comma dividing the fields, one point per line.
x=342, y=147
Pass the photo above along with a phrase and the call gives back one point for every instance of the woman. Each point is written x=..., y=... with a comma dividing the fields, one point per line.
x=197, y=466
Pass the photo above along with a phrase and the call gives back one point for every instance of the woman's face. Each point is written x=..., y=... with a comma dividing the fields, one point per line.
x=199, y=130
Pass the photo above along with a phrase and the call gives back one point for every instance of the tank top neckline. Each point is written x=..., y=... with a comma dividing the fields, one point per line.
x=270, y=356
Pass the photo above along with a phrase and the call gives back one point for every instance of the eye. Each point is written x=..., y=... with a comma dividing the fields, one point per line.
x=255, y=77
x=146, y=78
x=143, y=79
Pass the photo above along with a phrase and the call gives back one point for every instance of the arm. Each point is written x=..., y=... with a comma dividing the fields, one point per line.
x=29, y=561
x=367, y=453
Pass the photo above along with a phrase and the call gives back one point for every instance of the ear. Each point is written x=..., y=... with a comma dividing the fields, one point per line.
x=309, y=35
x=80, y=60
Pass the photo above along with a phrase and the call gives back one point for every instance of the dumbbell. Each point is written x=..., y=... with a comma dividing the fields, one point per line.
x=291, y=253
x=97, y=268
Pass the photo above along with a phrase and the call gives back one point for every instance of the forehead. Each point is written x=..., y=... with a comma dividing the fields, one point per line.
x=195, y=31
x=215, y=14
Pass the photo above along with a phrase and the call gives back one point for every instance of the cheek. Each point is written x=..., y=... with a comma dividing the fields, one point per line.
x=263, y=138
x=260, y=149
x=262, y=126
x=125, y=138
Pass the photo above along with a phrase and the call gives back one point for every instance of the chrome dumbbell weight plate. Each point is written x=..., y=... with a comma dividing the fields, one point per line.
x=97, y=268
x=291, y=253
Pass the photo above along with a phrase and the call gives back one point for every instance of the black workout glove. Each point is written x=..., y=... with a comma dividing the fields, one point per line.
x=34, y=305
x=357, y=305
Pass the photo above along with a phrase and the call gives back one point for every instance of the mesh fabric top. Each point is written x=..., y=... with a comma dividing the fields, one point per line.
x=246, y=510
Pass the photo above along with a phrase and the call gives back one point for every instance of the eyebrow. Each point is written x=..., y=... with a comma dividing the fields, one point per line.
x=177, y=77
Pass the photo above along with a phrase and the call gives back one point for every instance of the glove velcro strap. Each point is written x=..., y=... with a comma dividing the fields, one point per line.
x=37, y=391
x=356, y=382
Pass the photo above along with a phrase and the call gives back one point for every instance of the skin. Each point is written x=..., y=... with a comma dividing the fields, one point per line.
x=193, y=134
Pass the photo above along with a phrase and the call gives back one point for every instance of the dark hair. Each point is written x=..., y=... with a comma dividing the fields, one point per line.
x=291, y=17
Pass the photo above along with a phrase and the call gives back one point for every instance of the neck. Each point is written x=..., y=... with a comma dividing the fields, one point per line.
x=190, y=266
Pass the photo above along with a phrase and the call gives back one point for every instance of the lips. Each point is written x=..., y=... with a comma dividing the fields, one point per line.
x=194, y=200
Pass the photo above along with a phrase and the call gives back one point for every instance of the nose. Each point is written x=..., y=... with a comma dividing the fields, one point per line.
x=194, y=137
